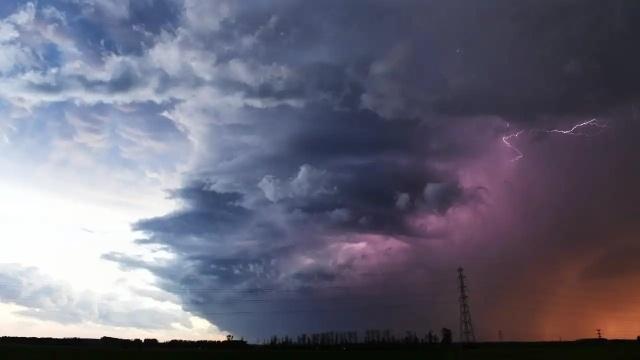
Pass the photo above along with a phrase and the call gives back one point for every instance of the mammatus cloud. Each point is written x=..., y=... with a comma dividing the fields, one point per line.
x=340, y=159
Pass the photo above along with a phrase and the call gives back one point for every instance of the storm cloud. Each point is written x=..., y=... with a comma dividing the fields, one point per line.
x=339, y=160
x=371, y=154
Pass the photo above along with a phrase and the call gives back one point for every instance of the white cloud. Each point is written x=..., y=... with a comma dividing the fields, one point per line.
x=67, y=244
x=45, y=298
x=112, y=8
x=21, y=325
x=272, y=188
x=90, y=130
x=8, y=32
x=403, y=200
x=13, y=56
x=308, y=182
x=26, y=15
x=206, y=15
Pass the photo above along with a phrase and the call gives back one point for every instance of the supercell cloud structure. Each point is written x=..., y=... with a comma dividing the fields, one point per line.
x=336, y=161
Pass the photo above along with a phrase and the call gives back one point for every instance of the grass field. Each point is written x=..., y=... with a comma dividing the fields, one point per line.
x=524, y=351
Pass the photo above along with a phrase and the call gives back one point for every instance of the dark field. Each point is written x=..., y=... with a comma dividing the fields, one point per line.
x=567, y=350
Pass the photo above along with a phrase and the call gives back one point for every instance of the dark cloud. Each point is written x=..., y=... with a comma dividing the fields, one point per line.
x=377, y=149
x=206, y=212
x=521, y=60
x=540, y=57
x=619, y=262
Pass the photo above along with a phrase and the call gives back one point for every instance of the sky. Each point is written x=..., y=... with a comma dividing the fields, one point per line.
x=194, y=168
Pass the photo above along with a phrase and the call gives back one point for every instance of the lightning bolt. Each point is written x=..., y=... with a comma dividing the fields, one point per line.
x=574, y=130
x=507, y=141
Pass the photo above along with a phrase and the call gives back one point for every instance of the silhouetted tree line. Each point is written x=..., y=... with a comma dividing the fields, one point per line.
x=111, y=342
x=345, y=339
x=372, y=337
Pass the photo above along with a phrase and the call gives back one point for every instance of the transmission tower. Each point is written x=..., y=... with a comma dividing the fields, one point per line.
x=466, y=327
